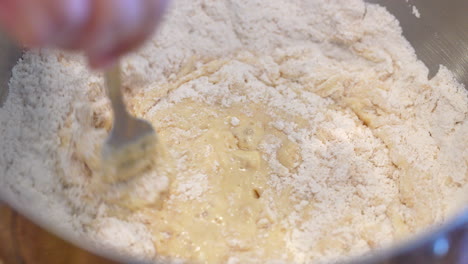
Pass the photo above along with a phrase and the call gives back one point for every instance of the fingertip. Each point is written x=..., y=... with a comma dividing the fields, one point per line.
x=101, y=62
x=106, y=48
x=162, y=5
x=159, y=8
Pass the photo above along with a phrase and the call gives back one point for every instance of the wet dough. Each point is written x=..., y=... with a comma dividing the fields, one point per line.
x=216, y=206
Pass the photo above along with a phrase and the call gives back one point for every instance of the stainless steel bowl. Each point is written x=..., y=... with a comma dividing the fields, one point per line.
x=439, y=36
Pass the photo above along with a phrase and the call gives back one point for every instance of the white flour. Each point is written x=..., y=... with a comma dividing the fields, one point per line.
x=415, y=12
x=387, y=154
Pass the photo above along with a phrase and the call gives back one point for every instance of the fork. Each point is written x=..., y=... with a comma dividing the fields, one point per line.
x=131, y=146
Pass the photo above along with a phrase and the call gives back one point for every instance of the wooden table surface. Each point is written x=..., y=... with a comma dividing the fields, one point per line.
x=22, y=242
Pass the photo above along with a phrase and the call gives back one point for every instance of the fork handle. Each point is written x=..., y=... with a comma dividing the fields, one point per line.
x=113, y=84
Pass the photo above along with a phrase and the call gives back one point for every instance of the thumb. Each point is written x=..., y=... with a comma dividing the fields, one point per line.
x=24, y=20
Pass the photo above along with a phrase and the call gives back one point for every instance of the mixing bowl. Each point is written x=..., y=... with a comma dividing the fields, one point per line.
x=438, y=30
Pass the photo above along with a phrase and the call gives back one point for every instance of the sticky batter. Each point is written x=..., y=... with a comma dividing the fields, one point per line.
x=265, y=162
x=216, y=206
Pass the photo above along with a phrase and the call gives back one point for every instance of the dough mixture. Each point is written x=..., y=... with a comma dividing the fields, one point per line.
x=297, y=131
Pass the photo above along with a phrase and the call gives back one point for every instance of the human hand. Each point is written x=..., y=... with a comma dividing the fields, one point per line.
x=103, y=29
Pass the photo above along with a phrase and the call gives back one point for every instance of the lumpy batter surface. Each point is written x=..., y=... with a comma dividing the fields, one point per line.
x=216, y=205
x=270, y=163
x=242, y=186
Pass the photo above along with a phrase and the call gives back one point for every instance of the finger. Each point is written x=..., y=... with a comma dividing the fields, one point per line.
x=26, y=21
x=44, y=22
x=105, y=59
x=134, y=27
x=133, y=22
x=69, y=20
x=7, y=9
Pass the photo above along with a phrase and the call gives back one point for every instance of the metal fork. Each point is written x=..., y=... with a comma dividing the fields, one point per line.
x=131, y=146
